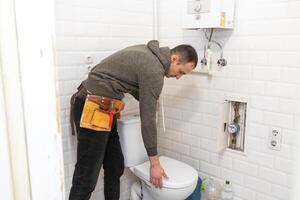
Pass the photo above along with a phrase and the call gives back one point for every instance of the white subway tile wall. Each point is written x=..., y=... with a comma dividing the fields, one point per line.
x=263, y=64
x=97, y=29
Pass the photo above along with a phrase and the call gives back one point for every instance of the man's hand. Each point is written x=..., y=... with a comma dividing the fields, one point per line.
x=156, y=172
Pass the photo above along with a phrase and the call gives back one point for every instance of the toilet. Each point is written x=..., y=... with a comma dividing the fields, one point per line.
x=182, y=177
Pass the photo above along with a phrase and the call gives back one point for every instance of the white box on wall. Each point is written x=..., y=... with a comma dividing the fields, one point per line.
x=208, y=14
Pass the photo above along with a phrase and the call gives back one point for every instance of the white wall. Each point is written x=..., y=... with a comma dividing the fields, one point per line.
x=263, y=56
x=30, y=139
x=263, y=64
x=35, y=39
x=6, y=185
x=94, y=28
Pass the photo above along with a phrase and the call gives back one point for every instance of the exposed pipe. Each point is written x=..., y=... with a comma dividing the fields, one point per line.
x=136, y=191
x=155, y=20
x=155, y=37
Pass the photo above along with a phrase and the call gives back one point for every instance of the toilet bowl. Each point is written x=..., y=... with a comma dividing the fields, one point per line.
x=182, y=177
x=180, y=184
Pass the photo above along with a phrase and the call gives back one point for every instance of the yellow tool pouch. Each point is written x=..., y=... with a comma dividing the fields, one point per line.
x=93, y=118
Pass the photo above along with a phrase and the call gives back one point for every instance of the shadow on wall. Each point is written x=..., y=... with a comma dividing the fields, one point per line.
x=183, y=98
x=196, y=37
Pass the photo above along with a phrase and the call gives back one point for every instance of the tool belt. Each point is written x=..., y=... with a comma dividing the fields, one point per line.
x=98, y=111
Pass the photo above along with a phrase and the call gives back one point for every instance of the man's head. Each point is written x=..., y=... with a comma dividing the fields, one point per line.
x=184, y=59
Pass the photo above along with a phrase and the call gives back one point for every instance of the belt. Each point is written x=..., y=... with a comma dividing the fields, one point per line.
x=106, y=104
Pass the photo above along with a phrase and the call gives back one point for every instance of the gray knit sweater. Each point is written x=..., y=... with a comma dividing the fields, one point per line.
x=138, y=70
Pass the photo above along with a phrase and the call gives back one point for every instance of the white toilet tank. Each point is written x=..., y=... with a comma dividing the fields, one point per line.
x=129, y=128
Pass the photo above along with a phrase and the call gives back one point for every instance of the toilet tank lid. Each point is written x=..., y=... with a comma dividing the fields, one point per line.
x=130, y=118
x=180, y=174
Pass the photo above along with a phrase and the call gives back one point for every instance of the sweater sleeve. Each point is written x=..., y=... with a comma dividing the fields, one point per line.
x=149, y=91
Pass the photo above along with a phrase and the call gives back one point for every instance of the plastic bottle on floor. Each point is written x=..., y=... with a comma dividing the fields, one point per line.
x=211, y=189
x=227, y=193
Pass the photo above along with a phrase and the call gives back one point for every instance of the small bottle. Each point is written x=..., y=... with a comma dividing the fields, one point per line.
x=227, y=193
x=211, y=189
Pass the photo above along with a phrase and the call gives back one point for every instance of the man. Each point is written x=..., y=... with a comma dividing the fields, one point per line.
x=140, y=71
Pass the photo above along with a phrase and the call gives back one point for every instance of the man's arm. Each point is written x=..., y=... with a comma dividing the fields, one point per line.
x=148, y=96
x=149, y=90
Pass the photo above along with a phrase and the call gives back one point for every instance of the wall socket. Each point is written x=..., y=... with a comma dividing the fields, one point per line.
x=274, y=139
x=89, y=59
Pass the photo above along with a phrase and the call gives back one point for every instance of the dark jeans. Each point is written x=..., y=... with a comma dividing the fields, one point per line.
x=94, y=149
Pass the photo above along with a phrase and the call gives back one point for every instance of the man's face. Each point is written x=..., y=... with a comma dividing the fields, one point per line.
x=177, y=69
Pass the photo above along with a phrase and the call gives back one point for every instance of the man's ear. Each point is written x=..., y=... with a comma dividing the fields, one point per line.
x=174, y=58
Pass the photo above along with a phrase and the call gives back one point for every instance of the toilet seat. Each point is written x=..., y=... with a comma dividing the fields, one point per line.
x=180, y=174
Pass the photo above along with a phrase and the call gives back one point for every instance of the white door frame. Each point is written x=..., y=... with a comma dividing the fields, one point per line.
x=12, y=103
x=6, y=183
x=34, y=146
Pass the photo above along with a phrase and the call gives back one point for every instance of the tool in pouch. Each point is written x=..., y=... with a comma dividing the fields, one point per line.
x=98, y=112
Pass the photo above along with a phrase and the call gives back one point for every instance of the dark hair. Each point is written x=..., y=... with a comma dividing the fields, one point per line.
x=186, y=53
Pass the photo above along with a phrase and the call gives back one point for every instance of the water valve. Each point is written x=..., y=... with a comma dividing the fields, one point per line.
x=222, y=62
x=236, y=125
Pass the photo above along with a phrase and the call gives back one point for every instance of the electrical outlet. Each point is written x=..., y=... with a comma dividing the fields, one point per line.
x=274, y=143
x=275, y=132
x=89, y=60
x=274, y=139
